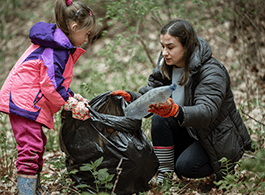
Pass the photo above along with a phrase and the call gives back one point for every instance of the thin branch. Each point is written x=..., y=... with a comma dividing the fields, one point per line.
x=182, y=189
x=119, y=170
x=251, y=22
x=71, y=189
x=247, y=156
x=158, y=26
x=142, y=42
x=147, y=52
x=252, y=117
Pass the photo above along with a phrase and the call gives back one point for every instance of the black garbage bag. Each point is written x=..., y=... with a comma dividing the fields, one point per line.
x=110, y=135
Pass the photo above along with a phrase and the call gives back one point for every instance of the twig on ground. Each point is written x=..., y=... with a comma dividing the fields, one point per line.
x=245, y=156
x=119, y=170
x=182, y=189
x=73, y=189
x=12, y=180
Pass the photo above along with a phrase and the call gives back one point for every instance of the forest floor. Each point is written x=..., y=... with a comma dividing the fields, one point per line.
x=248, y=85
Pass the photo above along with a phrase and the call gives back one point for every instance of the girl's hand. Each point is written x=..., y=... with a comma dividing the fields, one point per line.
x=70, y=104
x=167, y=109
x=80, y=111
x=127, y=96
x=80, y=98
x=79, y=108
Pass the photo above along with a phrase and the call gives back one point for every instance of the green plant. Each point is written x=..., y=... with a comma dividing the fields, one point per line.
x=59, y=176
x=248, y=178
x=102, y=177
x=255, y=175
x=167, y=184
x=230, y=180
x=146, y=127
x=53, y=134
x=8, y=152
x=257, y=129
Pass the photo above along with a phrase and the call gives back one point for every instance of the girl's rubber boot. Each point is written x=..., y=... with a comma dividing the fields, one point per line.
x=26, y=184
x=165, y=157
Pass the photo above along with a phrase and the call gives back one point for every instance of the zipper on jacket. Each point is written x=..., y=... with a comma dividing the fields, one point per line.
x=36, y=100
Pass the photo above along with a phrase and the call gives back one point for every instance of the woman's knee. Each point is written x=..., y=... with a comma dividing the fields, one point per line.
x=182, y=168
x=194, y=162
x=193, y=171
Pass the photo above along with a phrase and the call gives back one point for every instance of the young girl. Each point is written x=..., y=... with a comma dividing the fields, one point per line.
x=38, y=85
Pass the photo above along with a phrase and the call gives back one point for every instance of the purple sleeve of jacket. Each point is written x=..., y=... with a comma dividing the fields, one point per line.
x=55, y=76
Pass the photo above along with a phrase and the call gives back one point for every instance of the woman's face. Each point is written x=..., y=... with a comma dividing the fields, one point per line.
x=173, y=51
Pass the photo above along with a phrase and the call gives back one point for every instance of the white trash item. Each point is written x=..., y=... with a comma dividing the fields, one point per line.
x=138, y=108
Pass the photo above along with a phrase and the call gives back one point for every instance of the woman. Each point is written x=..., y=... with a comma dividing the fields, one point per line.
x=200, y=124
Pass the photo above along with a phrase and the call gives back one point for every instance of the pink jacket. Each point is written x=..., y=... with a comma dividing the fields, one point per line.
x=38, y=85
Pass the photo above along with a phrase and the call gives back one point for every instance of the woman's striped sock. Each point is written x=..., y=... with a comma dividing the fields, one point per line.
x=165, y=157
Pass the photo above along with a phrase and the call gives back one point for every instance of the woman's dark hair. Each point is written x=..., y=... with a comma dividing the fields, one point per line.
x=77, y=12
x=184, y=32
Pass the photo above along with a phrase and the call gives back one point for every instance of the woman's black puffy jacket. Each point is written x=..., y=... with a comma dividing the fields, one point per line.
x=210, y=113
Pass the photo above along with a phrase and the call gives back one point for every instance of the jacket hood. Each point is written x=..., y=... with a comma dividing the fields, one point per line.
x=47, y=35
x=202, y=54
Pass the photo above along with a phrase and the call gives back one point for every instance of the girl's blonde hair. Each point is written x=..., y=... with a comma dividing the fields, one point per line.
x=75, y=12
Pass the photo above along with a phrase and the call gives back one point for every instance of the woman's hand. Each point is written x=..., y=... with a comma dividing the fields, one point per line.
x=167, y=109
x=127, y=96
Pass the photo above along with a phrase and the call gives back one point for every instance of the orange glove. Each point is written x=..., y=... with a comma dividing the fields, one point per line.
x=167, y=109
x=127, y=96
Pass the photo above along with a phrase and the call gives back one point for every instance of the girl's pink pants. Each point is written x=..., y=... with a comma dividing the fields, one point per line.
x=30, y=144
